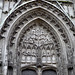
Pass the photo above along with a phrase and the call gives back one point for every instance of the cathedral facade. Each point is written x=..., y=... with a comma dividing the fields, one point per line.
x=37, y=37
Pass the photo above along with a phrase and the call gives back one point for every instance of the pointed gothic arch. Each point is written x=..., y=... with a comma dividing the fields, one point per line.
x=29, y=72
x=26, y=28
x=47, y=13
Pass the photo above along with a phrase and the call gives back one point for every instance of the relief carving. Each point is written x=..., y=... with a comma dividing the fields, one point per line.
x=37, y=46
x=70, y=57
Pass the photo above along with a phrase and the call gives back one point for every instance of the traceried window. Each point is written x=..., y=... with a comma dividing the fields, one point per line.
x=38, y=42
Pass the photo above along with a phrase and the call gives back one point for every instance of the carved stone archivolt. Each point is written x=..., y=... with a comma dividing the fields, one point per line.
x=29, y=17
x=34, y=31
x=44, y=4
x=70, y=56
x=41, y=14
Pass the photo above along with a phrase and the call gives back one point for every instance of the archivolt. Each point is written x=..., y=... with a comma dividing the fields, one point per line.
x=13, y=17
x=26, y=12
x=32, y=4
x=29, y=25
x=41, y=12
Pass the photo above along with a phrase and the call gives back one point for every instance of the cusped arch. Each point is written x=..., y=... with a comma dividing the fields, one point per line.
x=28, y=5
x=26, y=26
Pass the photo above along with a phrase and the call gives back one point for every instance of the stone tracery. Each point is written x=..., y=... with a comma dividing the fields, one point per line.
x=47, y=18
x=56, y=50
x=38, y=37
x=32, y=15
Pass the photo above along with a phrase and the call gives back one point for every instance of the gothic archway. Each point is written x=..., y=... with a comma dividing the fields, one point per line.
x=38, y=45
x=25, y=49
x=10, y=70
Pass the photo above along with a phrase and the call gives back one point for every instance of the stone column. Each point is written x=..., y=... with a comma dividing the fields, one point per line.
x=15, y=68
x=5, y=70
x=39, y=71
x=15, y=63
x=14, y=71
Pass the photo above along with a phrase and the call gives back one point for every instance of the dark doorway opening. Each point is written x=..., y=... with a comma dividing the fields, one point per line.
x=29, y=72
x=49, y=72
x=10, y=70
